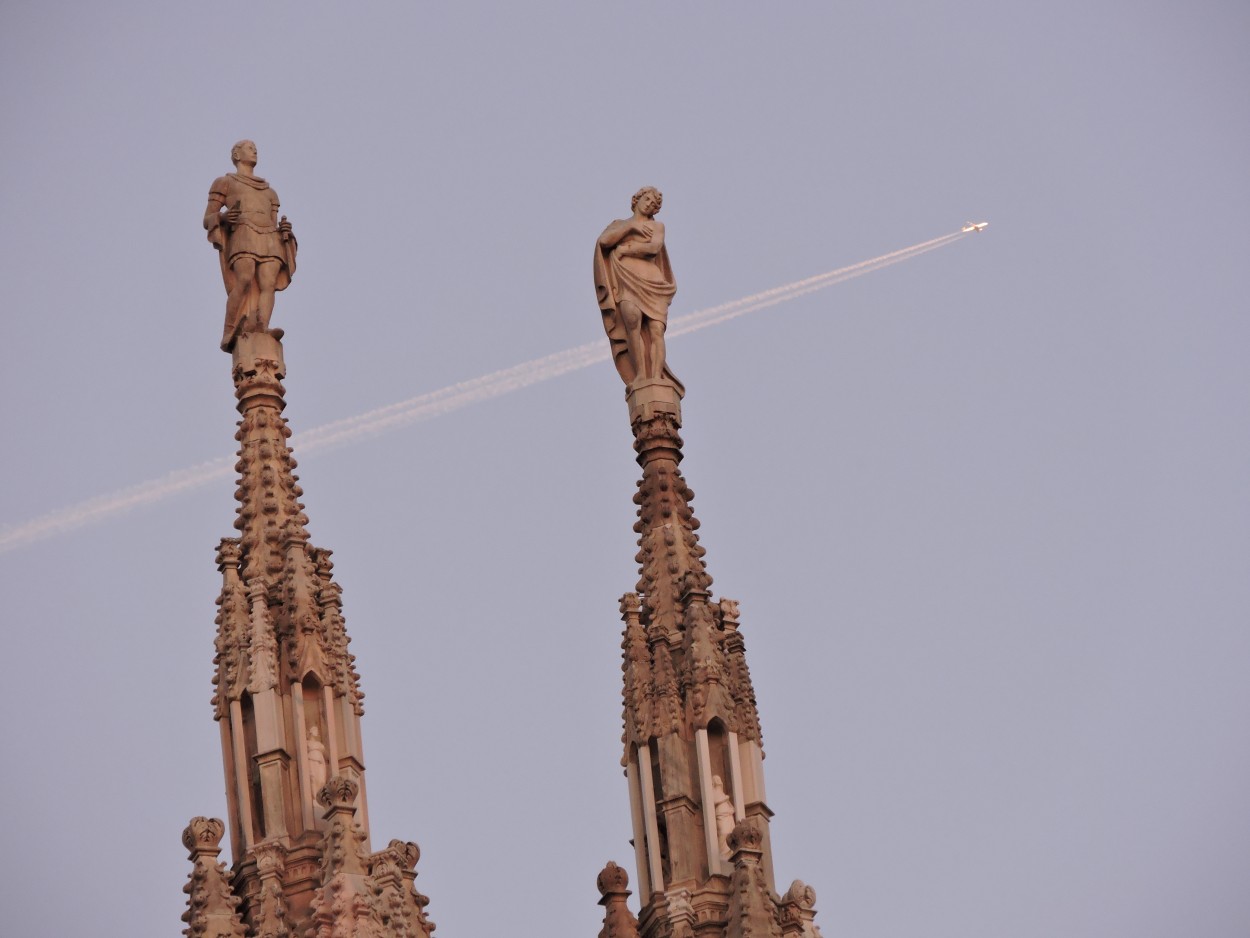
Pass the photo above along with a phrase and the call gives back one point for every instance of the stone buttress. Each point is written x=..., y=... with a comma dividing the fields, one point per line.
x=693, y=750
x=288, y=703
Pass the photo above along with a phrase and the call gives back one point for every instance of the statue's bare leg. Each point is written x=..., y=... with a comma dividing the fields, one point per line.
x=656, y=332
x=267, y=280
x=624, y=367
x=244, y=269
x=631, y=319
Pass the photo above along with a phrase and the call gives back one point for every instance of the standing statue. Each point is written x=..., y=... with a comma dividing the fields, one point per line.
x=257, y=250
x=317, y=762
x=634, y=284
x=722, y=806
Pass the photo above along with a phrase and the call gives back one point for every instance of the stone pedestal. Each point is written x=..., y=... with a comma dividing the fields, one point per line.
x=650, y=397
x=253, y=348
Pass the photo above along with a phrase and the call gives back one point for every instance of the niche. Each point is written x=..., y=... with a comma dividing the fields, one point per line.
x=661, y=825
x=719, y=761
x=253, y=768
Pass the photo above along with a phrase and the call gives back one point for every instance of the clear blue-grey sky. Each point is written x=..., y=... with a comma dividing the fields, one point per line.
x=985, y=511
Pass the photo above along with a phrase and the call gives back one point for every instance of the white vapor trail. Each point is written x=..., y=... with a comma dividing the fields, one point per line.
x=436, y=403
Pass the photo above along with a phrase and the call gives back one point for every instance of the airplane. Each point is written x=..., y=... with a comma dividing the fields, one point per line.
x=974, y=226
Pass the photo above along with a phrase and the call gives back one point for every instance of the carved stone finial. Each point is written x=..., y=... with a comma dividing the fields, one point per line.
x=797, y=912
x=612, y=879
x=228, y=553
x=257, y=250
x=800, y=894
x=630, y=606
x=203, y=834
x=293, y=533
x=634, y=285
x=408, y=851
x=338, y=792
x=692, y=584
x=746, y=837
x=618, y=921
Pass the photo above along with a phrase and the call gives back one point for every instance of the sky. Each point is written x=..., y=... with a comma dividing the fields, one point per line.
x=985, y=510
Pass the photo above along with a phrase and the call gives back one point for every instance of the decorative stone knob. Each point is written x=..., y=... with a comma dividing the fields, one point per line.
x=612, y=879
x=407, y=851
x=801, y=894
x=203, y=835
x=746, y=838
x=338, y=792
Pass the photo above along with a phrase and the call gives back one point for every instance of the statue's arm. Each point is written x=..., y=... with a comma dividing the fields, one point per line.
x=649, y=248
x=613, y=234
x=213, y=216
x=656, y=243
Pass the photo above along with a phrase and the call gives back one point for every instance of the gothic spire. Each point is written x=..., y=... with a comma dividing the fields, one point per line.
x=287, y=695
x=693, y=748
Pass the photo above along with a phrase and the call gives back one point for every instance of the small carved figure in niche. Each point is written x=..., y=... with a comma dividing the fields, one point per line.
x=318, y=765
x=724, y=808
x=634, y=285
x=257, y=250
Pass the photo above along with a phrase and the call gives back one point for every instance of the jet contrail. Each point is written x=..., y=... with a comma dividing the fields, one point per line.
x=437, y=403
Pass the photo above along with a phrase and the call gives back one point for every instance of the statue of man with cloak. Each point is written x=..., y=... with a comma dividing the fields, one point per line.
x=257, y=250
x=634, y=284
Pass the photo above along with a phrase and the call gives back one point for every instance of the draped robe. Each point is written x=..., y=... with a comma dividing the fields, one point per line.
x=647, y=281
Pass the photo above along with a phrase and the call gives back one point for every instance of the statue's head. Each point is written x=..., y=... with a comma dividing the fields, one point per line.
x=241, y=149
x=651, y=192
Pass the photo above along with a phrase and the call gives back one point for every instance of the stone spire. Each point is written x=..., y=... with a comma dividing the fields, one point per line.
x=288, y=703
x=693, y=748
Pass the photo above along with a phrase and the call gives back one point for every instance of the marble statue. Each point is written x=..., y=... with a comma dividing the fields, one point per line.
x=723, y=806
x=317, y=763
x=257, y=250
x=634, y=285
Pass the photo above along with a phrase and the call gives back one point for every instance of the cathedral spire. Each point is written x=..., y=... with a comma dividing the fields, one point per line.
x=287, y=696
x=693, y=749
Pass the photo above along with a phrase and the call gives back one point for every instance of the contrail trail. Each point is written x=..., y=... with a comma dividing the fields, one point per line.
x=437, y=403
x=714, y=315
